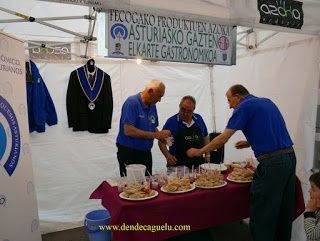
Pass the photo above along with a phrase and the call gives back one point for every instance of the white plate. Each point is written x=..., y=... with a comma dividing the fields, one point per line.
x=193, y=186
x=237, y=181
x=222, y=185
x=212, y=166
x=121, y=195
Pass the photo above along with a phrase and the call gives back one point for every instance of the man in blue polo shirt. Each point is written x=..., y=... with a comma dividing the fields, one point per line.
x=272, y=190
x=188, y=130
x=138, y=127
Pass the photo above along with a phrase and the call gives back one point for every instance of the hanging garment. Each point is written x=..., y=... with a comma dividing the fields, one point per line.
x=41, y=109
x=89, y=100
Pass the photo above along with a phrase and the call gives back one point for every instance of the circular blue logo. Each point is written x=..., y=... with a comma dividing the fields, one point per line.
x=119, y=31
x=3, y=141
x=14, y=153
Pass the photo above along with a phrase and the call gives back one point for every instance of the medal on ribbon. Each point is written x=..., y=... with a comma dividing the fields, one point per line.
x=91, y=91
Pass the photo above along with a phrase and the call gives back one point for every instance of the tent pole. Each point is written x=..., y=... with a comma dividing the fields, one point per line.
x=242, y=44
x=247, y=32
x=250, y=30
x=214, y=127
x=32, y=19
x=266, y=38
x=44, y=19
x=90, y=28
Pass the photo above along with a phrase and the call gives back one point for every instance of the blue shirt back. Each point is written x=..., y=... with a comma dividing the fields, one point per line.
x=136, y=113
x=262, y=124
x=174, y=123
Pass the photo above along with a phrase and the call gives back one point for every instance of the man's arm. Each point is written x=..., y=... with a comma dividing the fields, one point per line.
x=133, y=131
x=171, y=159
x=216, y=143
x=242, y=144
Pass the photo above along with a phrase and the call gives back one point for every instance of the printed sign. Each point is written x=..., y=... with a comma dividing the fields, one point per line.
x=285, y=13
x=17, y=193
x=10, y=120
x=148, y=36
x=61, y=51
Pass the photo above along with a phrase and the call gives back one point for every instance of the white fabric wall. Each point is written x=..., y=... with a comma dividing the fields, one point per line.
x=289, y=75
x=68, y=165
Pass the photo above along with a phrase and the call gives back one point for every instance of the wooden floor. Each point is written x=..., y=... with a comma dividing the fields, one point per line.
x=238, y=231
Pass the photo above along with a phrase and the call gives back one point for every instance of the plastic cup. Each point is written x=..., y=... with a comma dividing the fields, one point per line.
x=136, y=173
x=121, y=183
x=169, y=141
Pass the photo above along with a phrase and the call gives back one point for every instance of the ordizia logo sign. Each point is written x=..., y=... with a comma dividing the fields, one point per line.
x=285, y=13
x=10, y=142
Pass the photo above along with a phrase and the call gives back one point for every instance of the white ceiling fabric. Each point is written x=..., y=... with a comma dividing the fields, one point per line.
x=233, y=12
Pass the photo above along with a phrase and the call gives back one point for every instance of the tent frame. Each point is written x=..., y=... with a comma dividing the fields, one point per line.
x=92, y=17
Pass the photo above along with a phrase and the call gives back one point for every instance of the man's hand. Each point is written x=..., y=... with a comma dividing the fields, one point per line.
x=171, y=160
x=162, y=134
x=242, y=144
x=192, y=152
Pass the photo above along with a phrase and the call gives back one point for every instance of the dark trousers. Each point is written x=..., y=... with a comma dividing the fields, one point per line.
x=127, y=156
x=272, y=198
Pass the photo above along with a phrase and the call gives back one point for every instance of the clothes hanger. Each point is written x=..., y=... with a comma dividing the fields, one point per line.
x=29, y=78
x=90, y=65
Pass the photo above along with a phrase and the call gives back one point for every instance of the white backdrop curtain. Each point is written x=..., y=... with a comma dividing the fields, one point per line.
x=68, y=165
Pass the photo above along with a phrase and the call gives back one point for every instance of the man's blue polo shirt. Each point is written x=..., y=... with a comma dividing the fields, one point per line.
x=136, y=113
x=262, y=124
x=174, y=123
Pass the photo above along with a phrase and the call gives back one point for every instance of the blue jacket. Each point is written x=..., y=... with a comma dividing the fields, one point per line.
x=41, y=109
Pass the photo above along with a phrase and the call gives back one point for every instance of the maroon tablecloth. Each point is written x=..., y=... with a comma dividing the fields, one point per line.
x=200, y=208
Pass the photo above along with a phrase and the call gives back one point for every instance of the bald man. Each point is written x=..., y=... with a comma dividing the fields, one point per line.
x=138, y=127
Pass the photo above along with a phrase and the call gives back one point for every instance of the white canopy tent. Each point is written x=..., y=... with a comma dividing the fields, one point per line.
x=69, y=165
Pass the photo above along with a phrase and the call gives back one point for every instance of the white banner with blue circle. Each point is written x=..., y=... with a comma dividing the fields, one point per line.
x=132, y=34
x=18, y=204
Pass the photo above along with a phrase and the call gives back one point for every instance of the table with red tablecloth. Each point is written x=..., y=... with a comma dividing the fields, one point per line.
x=200, y=208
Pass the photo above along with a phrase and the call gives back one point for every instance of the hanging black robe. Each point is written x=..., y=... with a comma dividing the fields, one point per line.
x=80, y=117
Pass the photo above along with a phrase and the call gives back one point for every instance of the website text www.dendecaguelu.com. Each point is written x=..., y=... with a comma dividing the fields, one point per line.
x=145, y=227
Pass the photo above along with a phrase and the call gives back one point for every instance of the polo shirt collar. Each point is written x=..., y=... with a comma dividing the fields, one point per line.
x=194, y=118
x=249, y=96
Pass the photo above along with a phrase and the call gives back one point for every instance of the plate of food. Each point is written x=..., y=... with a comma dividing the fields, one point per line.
x=238, y=181
x=152, y=194
x=212, y=166
x=211, y=185
x=241, y=175
x=210, y=180
x=177, y=186
x=137, y=192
